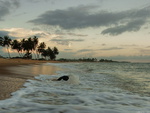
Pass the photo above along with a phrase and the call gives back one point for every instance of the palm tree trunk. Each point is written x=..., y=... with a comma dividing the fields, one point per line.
x=8, y=52
x=19, y=54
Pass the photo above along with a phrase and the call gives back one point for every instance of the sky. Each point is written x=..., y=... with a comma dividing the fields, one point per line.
x=108, y=29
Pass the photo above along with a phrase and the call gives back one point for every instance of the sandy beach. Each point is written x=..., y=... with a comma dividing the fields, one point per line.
x=14, y=73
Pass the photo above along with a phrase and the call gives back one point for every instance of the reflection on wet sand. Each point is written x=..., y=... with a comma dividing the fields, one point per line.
x=34, y=70
x=13, y=78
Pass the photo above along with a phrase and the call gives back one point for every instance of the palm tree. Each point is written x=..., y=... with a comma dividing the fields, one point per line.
x=1, y=41
x=27, y=46
x=41, y=48
x=51, y=54
x=5, y=42
x=16, y=45
x=55, y=50
x=44, y=53
x=35, y=43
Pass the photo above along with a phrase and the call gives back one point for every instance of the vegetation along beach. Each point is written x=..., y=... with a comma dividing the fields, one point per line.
x=74, y=56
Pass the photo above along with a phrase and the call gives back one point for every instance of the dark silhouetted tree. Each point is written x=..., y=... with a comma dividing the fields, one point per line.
x=35, y=44
x=50, y=53
x=44, y=53
x=16, y=45
x=41, y=48
x=55, y=50
x=5, y=42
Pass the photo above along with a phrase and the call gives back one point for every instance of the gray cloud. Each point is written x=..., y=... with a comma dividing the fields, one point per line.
x=85, y=50
x=144, y=51
x=148, y=46
x=6, y=6
x=112, y=48
x=35, y=1
x=16, y=3
x=134, y=25
x=67, y=49
x=89, y=16
x=6, y=33
x=79, y=35
x=103, y=44
x=132, y=45
x=67, y=54
x=3, y=33
x=73, y=40
x=65, y=41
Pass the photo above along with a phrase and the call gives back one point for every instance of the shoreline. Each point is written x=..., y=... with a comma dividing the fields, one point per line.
x=15, y=72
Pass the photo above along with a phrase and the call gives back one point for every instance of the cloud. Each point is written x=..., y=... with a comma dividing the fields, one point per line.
x=68, y=49
x=68, y=19
x=65, y=41
x=85, y=50
x=19, y=33
x=67, y=54
x=112, y=48
x=148, y=46
x=3, y=33
x=73, y=40
x=79, y=35
x=144, y=51
x=103, y=44
x=35, y=1
x=6, y=6
x=134, y=25
x=15, y=3
x=132, y=45
x=90, y=16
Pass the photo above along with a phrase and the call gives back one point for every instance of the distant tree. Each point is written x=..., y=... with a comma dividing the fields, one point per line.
x=27, y=46
x=6, y=42
x=1, y=41
x=16, y=45
x=44, y=53
x=55, y=50
x=41, y=48
x=27, y=55
x=50, y=53
x=35, y=44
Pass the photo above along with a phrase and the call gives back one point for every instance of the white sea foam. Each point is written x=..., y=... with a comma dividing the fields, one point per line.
x=73, y=79
x=87, y=91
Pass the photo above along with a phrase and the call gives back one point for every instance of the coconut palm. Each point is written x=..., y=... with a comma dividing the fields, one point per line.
x=27, y=46
x=5, y=42
x=44, y=53
x=16, y=45
x=41, y=48
x=1, y=41
x=35, y=44
x=55, y=50
x=50, y=53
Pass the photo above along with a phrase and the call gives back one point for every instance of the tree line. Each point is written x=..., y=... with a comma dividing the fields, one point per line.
x=29, y=48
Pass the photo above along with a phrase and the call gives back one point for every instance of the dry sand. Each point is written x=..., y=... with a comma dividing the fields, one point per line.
x=14, y=73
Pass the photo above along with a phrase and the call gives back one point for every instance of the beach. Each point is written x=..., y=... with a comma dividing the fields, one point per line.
x=15, y=72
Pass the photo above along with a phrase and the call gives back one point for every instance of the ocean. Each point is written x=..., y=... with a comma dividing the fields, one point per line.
x=91, y=88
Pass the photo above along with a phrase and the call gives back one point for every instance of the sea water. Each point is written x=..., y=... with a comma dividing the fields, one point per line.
x=91, y=88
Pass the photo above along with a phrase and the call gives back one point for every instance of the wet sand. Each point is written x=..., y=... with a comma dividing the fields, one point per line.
x=15, y=72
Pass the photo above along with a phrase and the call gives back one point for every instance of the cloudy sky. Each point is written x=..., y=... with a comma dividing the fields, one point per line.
x=111, y=29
